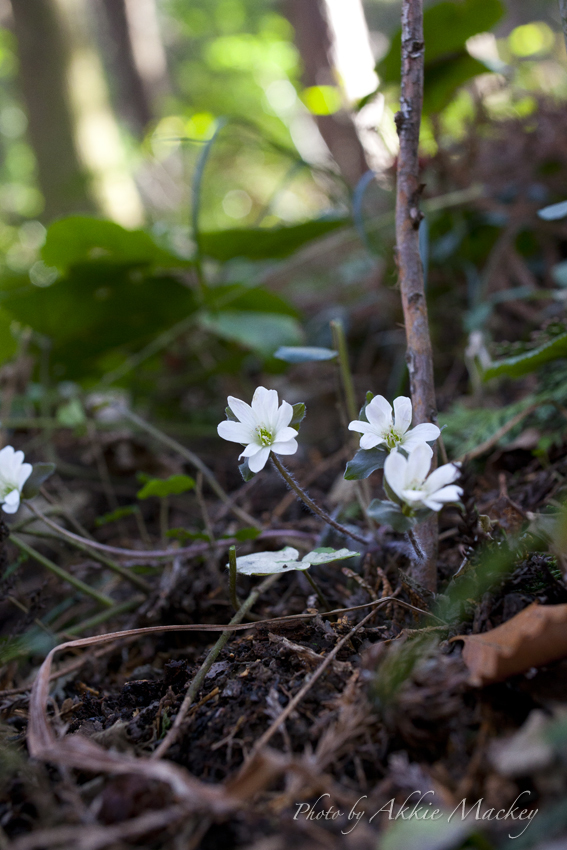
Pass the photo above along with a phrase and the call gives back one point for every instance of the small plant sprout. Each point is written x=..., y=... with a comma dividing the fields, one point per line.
x=262, y=427
x=390, y=429
x=13, y=475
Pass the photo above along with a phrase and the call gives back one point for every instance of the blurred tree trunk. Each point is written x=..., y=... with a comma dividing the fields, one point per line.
x=313, y=40
x=130, y=94
x=62, y=178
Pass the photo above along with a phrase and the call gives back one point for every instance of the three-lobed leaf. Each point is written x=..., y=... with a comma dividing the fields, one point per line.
x=364, y=463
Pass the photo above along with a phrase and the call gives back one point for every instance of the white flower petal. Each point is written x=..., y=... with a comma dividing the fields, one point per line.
x=362, y=427
x=402, y=414
x=24, y=473
x=250, y=450
x=235, y=432
x=425, y=433
x=379, y=413
x=289, y=447
x=419, y=461
x=414, y=497
x=12, y=502
x=6, y=454
x=370, y=441
x=242, y=411
x=451, y=493
x=284, y=415
x=395, y=471
x=265, y=405
x=441, y=477
x=259, y=460
x=285, y=434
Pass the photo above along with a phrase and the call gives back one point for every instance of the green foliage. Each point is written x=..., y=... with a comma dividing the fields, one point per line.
x=446, y=28
x=261, y=332
x=172, y=486
x=364, y=463
x=114, y=516
x=299, y=411
x=184, y=535
x=530, y=360
x=263, y=243
x=8, y=342
x=83, y=239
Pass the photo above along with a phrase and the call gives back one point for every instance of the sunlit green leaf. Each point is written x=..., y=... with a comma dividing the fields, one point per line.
x=261, y=332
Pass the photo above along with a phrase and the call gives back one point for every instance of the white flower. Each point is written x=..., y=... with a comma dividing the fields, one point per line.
x=407, y=477
x=13, y=475
x=391, y=431
x=262, y=428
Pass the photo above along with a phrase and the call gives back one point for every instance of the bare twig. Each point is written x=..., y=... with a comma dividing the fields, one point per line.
x=141, y=555
x=419, y=355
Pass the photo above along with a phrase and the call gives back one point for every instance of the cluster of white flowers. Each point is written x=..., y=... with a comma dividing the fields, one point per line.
x=13, y=475
x=407, y=477
x=264, y=427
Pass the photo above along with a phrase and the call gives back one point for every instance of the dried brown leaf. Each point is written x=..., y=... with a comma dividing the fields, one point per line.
x=534, y=637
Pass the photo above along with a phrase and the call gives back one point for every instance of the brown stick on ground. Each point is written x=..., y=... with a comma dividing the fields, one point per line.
x=408, y=216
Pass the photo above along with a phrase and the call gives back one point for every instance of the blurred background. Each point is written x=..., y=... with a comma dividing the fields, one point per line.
x=188, y=185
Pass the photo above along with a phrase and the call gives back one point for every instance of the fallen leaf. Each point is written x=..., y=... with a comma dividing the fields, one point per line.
x=534, y=637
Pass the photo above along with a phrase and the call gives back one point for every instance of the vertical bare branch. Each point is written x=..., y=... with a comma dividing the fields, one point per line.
x=408, y=216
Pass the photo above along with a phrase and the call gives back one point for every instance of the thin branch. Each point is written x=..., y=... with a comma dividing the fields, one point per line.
x=419, y=354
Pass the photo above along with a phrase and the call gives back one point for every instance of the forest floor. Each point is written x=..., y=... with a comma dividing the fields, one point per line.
x=392, y=718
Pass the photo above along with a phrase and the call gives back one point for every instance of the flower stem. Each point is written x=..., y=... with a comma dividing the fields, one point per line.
x=291, y=482
x=421, y=556
x=320, y=595
x=232, y=578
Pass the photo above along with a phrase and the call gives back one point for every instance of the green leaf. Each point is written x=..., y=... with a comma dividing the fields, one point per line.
x=553, y=212
x=299, y=412
x=262, y=243
x=447, y=26
x=528, y=361
x=304, y=354
x=245, y=471
x=238, y=296
x=244, y=534
x=40, y=473
x=114, y=516
x=71, y=414
x=230, y=415
x=8, y=342
x=184, y=535
x=387, y=513
x=80, y=239
x=172, y=486
x=364, y=463
x=261, y=332
x=95, y=308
